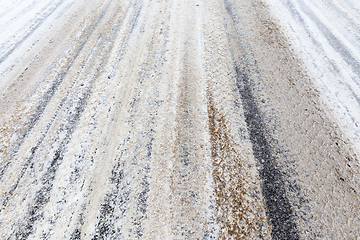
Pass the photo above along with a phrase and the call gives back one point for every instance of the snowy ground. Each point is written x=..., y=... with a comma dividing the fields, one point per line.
x=327, y=36
x=179, y=119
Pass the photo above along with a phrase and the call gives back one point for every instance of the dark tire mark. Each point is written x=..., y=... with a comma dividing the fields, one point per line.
x=279, y=209
x=113, y=200
x=113, y=203
x=42, y=196
x=46, y=98
x=273, y=187
x=75, y=109
x=114, y=207
x=29, y=160
x=76, y=235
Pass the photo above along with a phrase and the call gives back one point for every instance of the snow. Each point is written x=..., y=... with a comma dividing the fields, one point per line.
x=108, y=107
x=22, y=25
x=326, y=35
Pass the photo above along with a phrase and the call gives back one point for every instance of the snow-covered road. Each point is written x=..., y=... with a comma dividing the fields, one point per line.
x=179, y=119
x=326, y=35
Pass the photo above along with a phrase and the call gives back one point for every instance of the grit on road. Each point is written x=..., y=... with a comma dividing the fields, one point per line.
x=179, y=119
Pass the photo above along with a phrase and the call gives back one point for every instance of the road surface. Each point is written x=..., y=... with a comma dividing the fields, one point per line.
x=179, y=119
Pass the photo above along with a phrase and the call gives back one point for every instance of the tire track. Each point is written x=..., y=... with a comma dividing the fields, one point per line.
x=126, y=201
x=33, y=25
x=171, y=120
x=274, y=190
x=42, y=196
x=305, y=139
x=327, y=33
x=74, y=108
x=48, y=95
x=335, y=43
x=241, y=211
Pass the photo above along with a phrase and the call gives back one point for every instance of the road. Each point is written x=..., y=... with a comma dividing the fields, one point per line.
x=179, y=119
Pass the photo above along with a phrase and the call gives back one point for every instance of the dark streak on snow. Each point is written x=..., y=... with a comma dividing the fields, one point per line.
x=113, y=209
x=279, y=210
x=76, y=235
x=114, y=200
x=142, y=197
x=30, y=158
x=273, y=187
x=42, y=196
x=48, y=96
